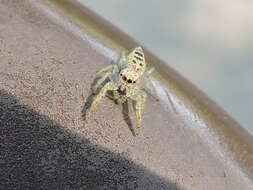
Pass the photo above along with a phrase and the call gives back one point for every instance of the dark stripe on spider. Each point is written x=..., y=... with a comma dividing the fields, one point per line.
x=138, y=53
x=139, y=58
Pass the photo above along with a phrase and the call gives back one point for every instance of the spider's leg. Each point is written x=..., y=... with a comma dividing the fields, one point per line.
x=123, y=56
x=139, y=99
x=100, y=82
x=151, y=88
x=104, y=69
x=122, y=60
x=98, y=98
x=148, y=72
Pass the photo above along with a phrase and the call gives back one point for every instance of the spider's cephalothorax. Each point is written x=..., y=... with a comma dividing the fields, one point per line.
x=124, y=80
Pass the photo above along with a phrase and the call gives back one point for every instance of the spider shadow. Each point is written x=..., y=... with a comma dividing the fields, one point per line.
x=126, y=117
x=87, y=105
x=90, y=98
x=92, y=95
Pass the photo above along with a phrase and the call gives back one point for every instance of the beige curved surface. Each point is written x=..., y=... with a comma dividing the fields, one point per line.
x=49, y=51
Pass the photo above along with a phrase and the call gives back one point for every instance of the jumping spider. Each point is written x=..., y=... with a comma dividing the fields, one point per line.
x=124, y=80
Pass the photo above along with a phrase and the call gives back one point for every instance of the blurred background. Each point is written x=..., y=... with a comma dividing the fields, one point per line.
x=210, y=42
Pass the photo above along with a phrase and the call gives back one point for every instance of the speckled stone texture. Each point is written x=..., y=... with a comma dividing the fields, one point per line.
x=45, y=142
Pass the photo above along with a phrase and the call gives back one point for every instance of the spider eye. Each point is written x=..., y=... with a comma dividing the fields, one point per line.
x=120, y=74
x=124, y=78
x=134, y=82
x=129, y=81
x=141, y=64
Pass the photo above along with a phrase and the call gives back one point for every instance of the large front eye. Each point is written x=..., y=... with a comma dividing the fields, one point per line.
x=129, y=81
x=124, y=78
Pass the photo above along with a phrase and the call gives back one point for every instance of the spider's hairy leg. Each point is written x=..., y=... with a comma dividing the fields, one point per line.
x=122, y=60
x=151, y=87
x=104, y=69
x=99, y=97
x=139, y=99
x=123, y=56
x=100, y=82
x=149, y=71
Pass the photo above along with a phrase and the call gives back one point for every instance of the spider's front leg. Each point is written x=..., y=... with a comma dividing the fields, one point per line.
x=149, y=84
x=123, y=58
x=151, y=88
x=100, y=82
x=99, y=97
x=139, y=99
x=104, y=69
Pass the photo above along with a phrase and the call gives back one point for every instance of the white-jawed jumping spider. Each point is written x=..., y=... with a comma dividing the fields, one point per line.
x=124, y=80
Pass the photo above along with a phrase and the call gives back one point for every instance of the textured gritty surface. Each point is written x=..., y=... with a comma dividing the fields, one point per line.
x=47, y=144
